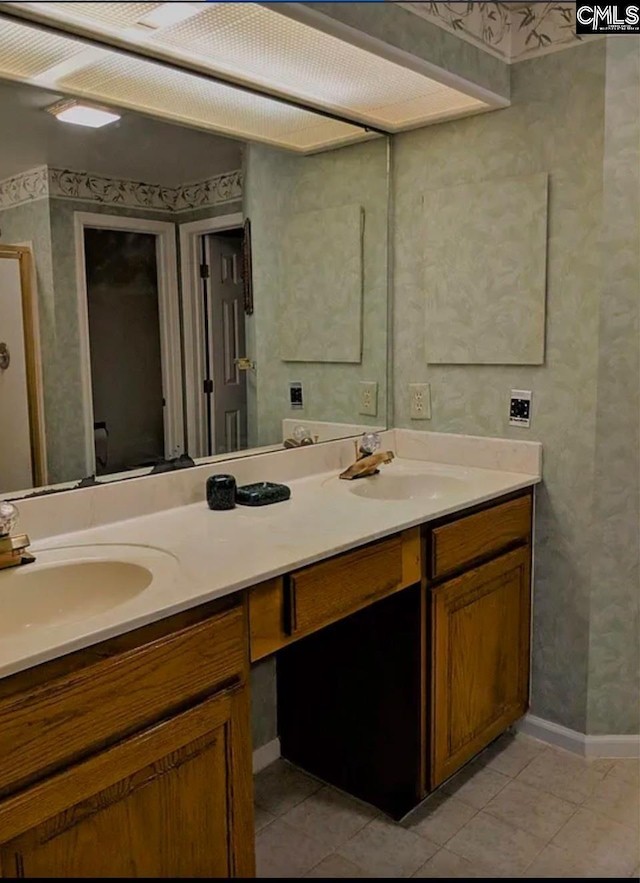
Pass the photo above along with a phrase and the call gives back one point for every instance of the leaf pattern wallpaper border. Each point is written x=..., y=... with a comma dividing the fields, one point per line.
x=44, y=181
x=510, y=34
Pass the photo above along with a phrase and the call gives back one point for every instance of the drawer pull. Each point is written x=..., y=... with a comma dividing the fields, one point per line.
x=290, y=613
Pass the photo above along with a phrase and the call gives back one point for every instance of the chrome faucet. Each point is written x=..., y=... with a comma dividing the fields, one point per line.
x=13, y=548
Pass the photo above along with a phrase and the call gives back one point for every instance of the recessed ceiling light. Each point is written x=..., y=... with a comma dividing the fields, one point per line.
x=82, y=114
x=168, y=14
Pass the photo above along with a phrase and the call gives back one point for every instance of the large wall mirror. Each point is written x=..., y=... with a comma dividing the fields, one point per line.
x=166, y=291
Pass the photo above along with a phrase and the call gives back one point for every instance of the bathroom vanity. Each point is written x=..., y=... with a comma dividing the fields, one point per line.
x=398, y=660
x=392, y=700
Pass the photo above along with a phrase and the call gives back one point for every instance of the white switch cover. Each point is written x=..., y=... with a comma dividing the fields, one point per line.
x=420, y=398
x=369, y=397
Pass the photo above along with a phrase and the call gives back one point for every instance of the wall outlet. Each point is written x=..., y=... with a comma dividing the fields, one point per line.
x=368, y=397
x=420, y=397
x=295, y=395
x=520, y=408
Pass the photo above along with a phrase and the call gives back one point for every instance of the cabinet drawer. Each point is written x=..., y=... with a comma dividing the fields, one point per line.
x=54, y=722
x=283, y=610
x=324, y=592
x=460, y=542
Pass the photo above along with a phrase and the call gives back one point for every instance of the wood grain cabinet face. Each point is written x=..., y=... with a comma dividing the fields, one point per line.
x=283, y=610
x=480, y=666
x=172, y=801
x=45, y=727
x=460, y=543
x=132, y=758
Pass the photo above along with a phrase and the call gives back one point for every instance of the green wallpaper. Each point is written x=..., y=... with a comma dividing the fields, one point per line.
x=614, y=637
x=321, y=296
x=576, y=116
x=555, y=125
x=207, y=211
x=278, y=185
x=486, y=284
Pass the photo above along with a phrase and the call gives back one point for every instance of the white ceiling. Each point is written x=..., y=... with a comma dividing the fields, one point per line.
x=134, y=147
x=242, y=41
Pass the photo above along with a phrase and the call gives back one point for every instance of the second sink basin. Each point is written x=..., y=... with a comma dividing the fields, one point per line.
x=67, y=585
x=404, y=486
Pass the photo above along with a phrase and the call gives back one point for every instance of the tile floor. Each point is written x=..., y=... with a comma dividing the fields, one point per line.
x=522, y=809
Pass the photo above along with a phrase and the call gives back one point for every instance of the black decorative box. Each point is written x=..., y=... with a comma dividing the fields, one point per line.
x=262, y=494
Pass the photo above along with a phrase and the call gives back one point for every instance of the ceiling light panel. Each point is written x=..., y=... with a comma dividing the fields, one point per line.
x=83, y=115
x=263, y=46
x=30, y=55
x=423, y=110
x=191, y=100
x=25, y=53
x=115, y=15
x=168, y=14
x=254, y=44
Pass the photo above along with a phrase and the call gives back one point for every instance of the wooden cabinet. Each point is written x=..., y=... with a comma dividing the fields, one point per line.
x=394, y=695
x=142, y=786
x=480, y=658
x=154, y=805
x=398, y=662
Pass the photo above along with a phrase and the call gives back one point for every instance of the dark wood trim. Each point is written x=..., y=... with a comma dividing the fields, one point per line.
x=290, y=618
x=349, y=708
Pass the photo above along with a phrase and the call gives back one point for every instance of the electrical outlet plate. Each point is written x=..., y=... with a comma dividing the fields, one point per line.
x=295, y=395
x=369, y=397
x=420, y=398
x=520, y=408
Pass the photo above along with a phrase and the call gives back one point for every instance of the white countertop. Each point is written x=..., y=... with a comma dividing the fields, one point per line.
x=216, y=553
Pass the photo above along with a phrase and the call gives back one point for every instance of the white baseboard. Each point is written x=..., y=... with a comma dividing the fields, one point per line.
x=612, y=746
x=579, y=743
x=265, y=755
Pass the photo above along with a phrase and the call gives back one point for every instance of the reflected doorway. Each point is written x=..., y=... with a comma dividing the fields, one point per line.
x=124, y=344
x=132, y=371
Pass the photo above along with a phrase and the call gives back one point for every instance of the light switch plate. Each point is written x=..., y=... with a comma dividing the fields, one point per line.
x=520, y=408
x=369, y=397
x=420, y=398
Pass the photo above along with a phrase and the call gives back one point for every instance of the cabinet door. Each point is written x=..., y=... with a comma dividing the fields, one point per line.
x=480, y=658
x=172, y=801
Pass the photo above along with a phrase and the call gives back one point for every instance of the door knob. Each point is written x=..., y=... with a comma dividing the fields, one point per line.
x=244, y=364
x=5, y=357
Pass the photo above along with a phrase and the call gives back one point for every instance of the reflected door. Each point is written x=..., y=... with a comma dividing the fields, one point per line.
x=225, y=385
x=125, y=348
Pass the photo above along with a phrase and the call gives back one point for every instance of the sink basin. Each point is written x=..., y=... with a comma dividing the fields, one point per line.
x=68, y=585
x=405, y=486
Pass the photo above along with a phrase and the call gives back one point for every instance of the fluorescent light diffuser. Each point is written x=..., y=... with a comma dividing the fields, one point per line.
x=168, y=14
x=83, y=114
x=243, y=41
